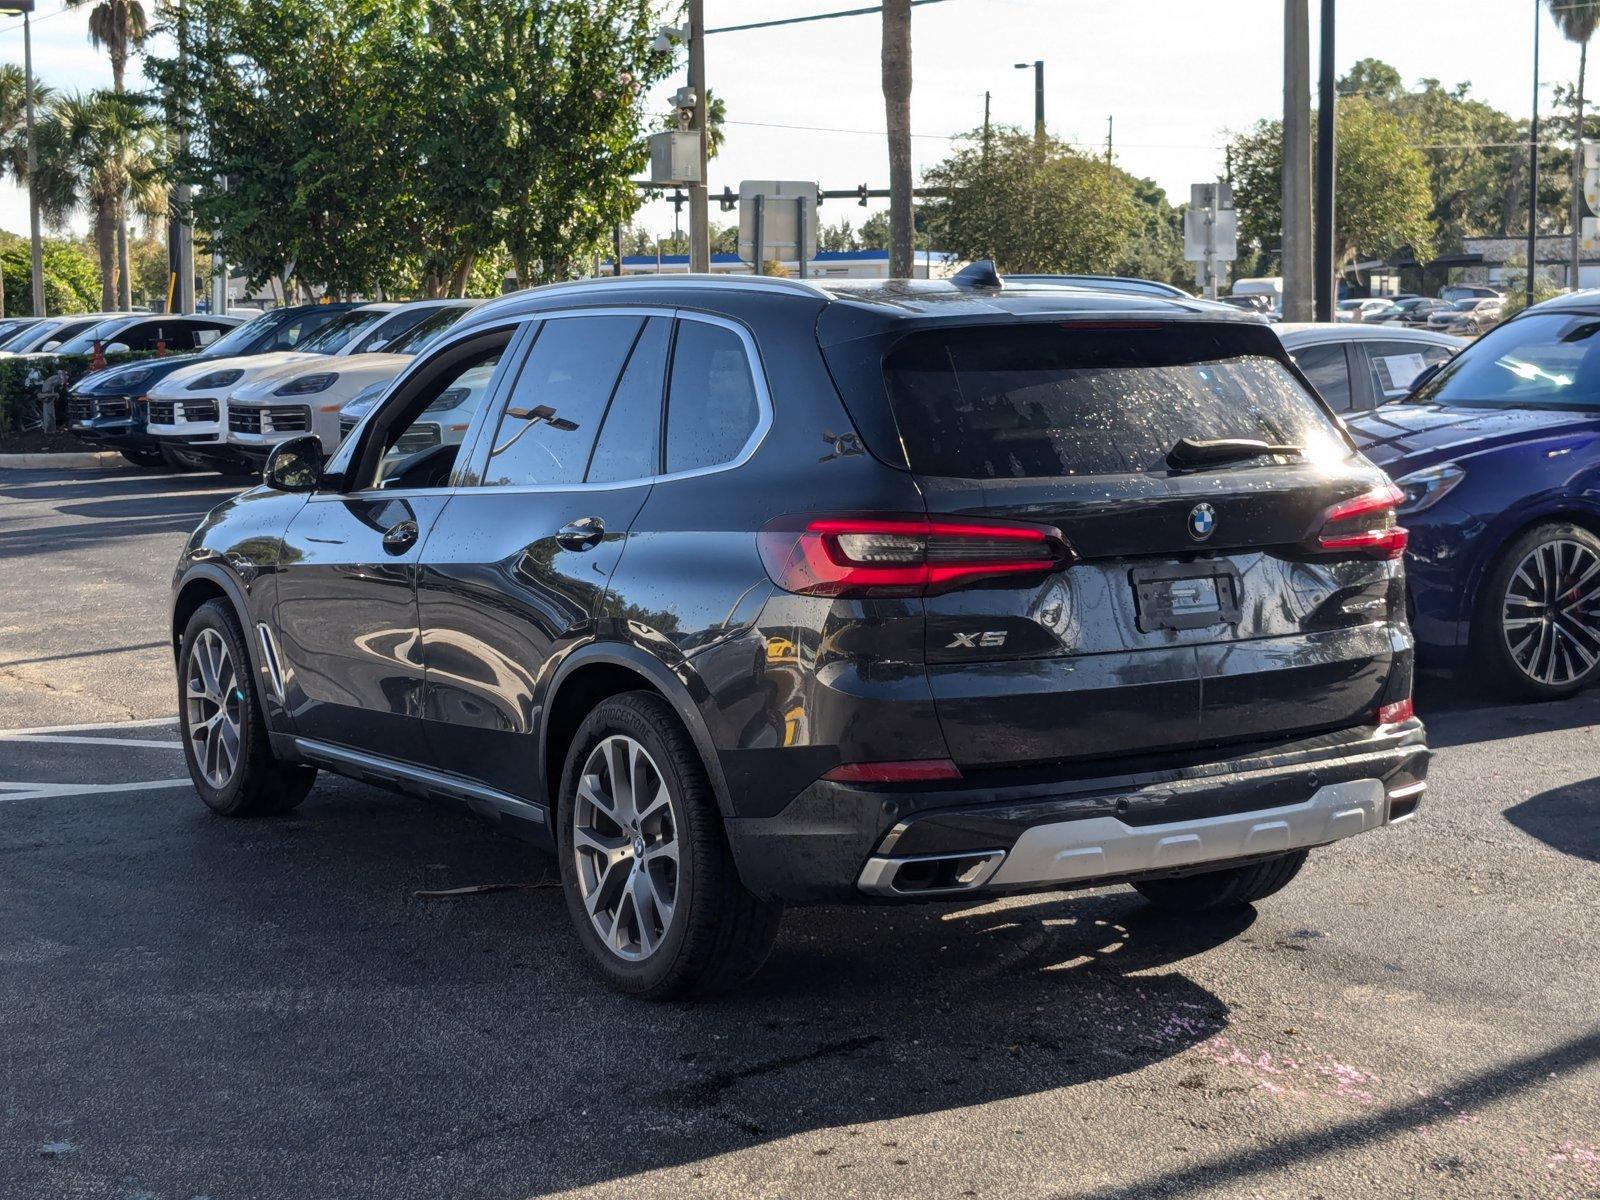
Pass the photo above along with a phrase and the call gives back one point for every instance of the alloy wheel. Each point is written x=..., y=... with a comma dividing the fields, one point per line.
x=625, y=844
x=1550, y=615
x=213, y=703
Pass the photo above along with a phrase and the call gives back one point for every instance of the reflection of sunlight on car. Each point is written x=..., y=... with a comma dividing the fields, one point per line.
x=1530, y=372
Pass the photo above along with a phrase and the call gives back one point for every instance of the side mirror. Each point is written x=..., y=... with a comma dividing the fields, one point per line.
x=295, y=465
x=51, y=345
x=116, y=348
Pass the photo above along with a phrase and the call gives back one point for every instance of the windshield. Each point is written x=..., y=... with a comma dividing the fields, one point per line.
x=1047, y=401
x=1542, y=360
x=342, y=330
x=424, y=331
x=242, y=339
x=46, y=331
x=104, y=332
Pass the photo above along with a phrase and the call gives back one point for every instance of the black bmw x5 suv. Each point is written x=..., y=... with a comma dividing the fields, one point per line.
x=745, y=592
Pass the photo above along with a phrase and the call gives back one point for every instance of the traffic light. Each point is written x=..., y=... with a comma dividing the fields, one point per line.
x=861, y=195
x=728, y=200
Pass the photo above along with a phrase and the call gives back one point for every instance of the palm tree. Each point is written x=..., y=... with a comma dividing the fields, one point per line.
x=119, y=27
x=1577, y=20
x=104, y=154
x=897, y=109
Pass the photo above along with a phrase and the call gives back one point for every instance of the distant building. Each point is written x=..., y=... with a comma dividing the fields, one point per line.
x=827, y=264
x=1486, y=259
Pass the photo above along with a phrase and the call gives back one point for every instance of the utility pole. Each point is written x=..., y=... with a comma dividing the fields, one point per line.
x=183, y=229
x=1038, y=95
x=699, y=209
x=1109, y=128
x=1327, y=287
x=986, y=125
x=1533, y=165
x=1296, y=267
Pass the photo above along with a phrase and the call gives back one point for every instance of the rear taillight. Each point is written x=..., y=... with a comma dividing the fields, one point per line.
x=902, y=556
x=1365, y=525
x=1393, y=714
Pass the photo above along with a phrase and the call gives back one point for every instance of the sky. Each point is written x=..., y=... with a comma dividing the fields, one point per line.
x=804, y=101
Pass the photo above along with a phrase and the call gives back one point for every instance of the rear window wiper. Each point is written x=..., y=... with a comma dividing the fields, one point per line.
x=1193, y=452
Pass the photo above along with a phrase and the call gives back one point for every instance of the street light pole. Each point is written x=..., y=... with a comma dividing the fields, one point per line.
x=1297, y=281
x=699, y=207
x=36, y=245
x=1038, y=95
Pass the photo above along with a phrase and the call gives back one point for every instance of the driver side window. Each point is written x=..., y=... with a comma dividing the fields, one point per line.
x=422, y=452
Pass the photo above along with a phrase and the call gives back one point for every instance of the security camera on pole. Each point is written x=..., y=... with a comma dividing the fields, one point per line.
x=1210, y=234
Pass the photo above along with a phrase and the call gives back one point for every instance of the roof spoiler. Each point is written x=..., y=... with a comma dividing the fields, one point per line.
x=979, y=273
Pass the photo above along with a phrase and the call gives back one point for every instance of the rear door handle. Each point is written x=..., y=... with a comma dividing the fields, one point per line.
x=582, y=534
x=397, y=539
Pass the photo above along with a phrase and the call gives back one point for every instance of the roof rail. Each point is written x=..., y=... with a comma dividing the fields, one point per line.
x=768, y=283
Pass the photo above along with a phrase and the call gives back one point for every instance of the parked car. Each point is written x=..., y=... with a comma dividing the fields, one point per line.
x=47, y=335
x=307, y=394
x=1360, y=309
x=111, y=407
x=189, y=409
x=1358, y=367
x=1412, y=310
x=138, y=333
x=1270, y=286
x=444, y=422
x=1257, y=303
x=13, y=327
x=1450, y=293
x=725, y=598
x=1471, y=316
x=1498, y=454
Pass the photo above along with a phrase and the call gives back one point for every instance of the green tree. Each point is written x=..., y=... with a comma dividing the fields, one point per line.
x=837, y=237
x=1031, y=204
x=14, y=137
x=71, y=279
x=874, y=233
x=1383, y=201
x=120, y=28
x=101, y=152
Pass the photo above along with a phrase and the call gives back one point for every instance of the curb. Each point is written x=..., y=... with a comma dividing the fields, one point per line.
x=70, y=459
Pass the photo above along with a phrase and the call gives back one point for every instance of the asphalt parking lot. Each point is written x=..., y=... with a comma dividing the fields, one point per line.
x=192, y=1007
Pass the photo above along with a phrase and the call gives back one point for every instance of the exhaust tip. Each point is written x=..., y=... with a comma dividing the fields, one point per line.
x=930, y=874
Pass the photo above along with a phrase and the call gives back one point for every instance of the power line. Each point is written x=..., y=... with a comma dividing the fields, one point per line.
x=828, y=16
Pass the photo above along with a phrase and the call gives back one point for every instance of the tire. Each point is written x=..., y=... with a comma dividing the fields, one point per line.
x=1233, y=887
x=142, y=458
x=1522, y=654
x=711, y=934
x=244, y=780
x=177, y=460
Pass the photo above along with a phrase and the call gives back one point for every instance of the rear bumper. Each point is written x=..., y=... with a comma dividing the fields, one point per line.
x=835, y=843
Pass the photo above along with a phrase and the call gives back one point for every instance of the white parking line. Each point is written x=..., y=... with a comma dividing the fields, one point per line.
x=61, y=739
x=58, y=791
x=147, y=723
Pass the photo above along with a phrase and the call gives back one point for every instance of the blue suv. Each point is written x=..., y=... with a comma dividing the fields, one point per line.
x=1498, y=454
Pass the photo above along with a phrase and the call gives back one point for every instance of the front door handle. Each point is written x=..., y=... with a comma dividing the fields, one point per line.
x=397, y=539
x=582, y=534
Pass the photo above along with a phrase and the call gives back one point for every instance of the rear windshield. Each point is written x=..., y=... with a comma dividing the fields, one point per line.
x=1045, y=401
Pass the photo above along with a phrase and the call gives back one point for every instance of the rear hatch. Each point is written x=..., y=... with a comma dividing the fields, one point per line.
x=1200, y=605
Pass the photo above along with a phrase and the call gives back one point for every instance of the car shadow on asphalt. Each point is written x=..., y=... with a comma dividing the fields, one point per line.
x=1458, y=710
x=1564, y=818
x=292, y=961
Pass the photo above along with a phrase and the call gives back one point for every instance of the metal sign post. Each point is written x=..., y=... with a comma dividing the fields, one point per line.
x=1210, y=234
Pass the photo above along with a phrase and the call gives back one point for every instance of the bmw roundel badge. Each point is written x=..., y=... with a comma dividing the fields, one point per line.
x=1202, y=520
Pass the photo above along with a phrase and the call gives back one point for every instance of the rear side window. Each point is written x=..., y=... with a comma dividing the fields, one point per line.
x=1045, y=401
x=630, y=439
x=711, y=408
x=1395, y=365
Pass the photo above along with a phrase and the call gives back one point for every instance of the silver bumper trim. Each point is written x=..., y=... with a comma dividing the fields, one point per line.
x=1099, y=847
